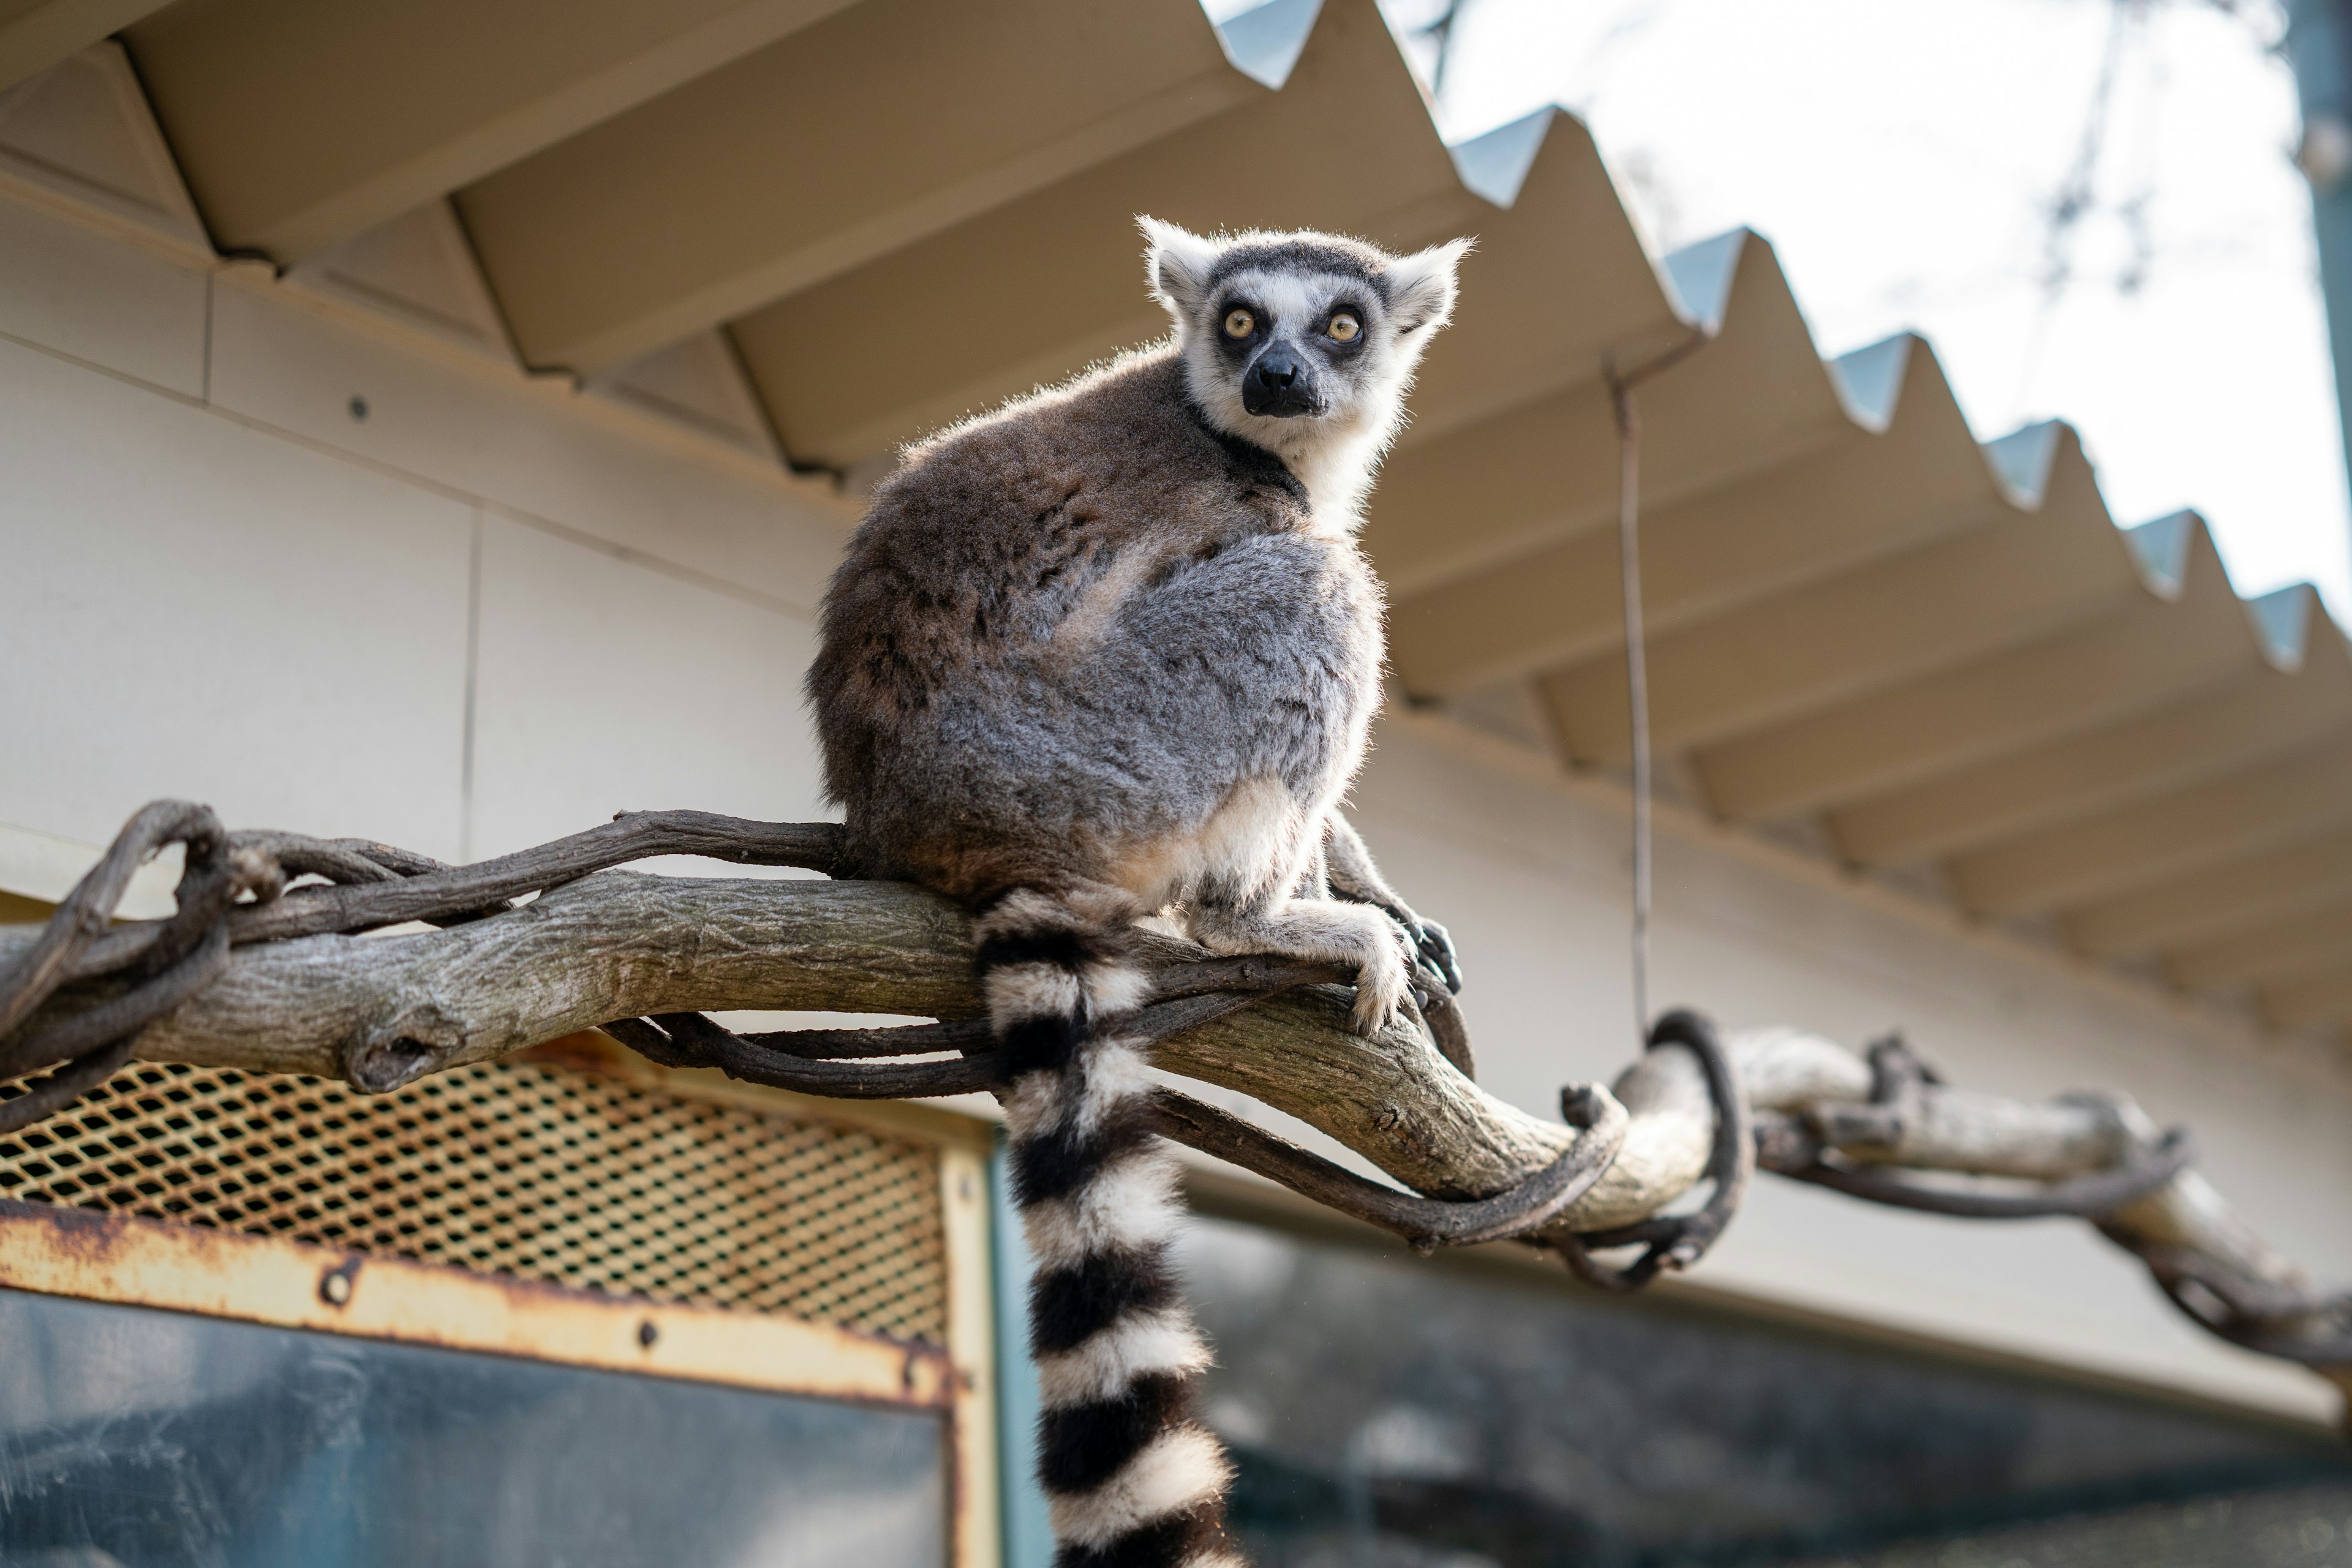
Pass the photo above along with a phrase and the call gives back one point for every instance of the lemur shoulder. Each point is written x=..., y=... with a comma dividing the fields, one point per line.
x=1108, y=652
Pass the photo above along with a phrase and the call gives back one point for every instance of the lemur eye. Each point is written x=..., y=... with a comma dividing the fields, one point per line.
x=1344, y=328
x=1239, y=323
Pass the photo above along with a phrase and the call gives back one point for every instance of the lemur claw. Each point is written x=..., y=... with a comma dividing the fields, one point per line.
x=1428, y=947
x=1433, y=949
x=1372, y=1014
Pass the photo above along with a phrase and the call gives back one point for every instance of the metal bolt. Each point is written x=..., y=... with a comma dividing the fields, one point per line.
x=335, y=1284
x=647, y=1332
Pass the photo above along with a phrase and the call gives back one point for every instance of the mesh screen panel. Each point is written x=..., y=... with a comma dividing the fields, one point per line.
x=530, y=1171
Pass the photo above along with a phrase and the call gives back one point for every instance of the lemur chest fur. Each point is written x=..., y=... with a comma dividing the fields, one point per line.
x=1121, y=510
x=1071, y=635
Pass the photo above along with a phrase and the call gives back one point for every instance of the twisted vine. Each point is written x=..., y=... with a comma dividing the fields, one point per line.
x=83, y=994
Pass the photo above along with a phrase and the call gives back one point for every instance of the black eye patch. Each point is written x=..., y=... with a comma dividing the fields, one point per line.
x=1241, y=344
x=1363, y=326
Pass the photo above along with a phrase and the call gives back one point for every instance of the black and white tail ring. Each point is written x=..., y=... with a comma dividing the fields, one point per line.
x=1132, y=1479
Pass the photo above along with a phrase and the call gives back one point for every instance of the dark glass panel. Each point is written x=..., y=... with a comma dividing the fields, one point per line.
x=150, y=1440
x=1391, y=1412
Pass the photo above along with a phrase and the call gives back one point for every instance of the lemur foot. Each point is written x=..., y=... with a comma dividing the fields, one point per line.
x=1329, y=932
x=1383, y=979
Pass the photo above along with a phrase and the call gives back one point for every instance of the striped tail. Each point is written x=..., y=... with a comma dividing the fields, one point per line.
x=1133, y=1481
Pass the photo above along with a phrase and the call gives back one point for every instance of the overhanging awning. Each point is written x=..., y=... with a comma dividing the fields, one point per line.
x=1942, y=660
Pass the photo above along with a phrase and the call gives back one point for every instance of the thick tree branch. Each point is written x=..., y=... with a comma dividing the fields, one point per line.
x=300, y=993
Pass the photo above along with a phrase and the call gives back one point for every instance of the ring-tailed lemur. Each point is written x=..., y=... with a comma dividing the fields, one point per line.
x=1108, y=652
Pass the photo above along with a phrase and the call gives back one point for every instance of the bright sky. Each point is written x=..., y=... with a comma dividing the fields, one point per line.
x=1904, y=157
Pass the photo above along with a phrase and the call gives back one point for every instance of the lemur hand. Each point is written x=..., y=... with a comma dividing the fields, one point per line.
x=1426, y=943
x=1348, y=872
x=1432, y=947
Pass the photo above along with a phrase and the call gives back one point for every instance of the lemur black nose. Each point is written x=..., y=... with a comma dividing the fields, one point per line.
x=1277, y=386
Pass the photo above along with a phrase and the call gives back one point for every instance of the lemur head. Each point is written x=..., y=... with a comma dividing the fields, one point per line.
x=1302, y=343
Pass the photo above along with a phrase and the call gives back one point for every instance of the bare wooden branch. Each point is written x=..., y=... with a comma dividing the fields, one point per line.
x=302, y=993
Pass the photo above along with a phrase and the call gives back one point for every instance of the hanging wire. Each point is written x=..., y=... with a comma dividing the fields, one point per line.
x=1628, y=415
x=1637, y=674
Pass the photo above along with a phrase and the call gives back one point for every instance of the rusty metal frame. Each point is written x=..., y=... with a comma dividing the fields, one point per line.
x=976, y=1502
x=963, y=1144
x=291, y=1284
x=137, y=1261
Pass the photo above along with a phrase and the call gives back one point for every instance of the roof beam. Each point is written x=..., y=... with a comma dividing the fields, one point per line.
x=1953, y=599
x=2206, y=905
x=1487, y=489
x=1493, y=489
x=794, y=165
x=2294, y=948
x=2144, y=653
x=2325, y=1000
x=2207, y=734
x=1738, y=534
x=2076, y=863
x=36, y=34
x=1561, y=603
x=988, y=308
x=299, y=124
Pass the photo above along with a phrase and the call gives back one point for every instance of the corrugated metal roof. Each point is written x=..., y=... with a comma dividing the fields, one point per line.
x=1944, y=656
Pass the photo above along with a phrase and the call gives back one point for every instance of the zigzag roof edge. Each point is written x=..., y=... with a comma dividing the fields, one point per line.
x=1698, y=280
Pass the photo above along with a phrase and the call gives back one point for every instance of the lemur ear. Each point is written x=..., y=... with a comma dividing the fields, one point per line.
x=1420, y=286
x=1176, y=266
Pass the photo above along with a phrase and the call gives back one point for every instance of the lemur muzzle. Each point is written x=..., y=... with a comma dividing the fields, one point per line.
x=1278, y=385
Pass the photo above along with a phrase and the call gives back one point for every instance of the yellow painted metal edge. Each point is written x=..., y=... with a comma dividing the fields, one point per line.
x=972, y=1348
x=142, y=1262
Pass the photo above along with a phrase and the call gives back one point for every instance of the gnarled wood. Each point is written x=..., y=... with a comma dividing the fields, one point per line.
x=381, y=1010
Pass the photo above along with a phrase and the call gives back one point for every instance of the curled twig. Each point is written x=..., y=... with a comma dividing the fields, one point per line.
x=81, y=917
x=1677, y=1241
x=2083, y=1197
x=691, y=1040
x=124, y=1015
x=467, y=889
x=1427, y=1222
x=1815, y=1148
x=2289, y=1320
x=183, y=953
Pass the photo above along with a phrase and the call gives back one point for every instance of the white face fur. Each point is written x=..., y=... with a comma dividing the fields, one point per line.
x=1303, y=344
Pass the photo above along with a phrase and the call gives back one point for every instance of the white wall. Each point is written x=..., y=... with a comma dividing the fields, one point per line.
x=246, y=596
x=1529, y=872
x=493, y=612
